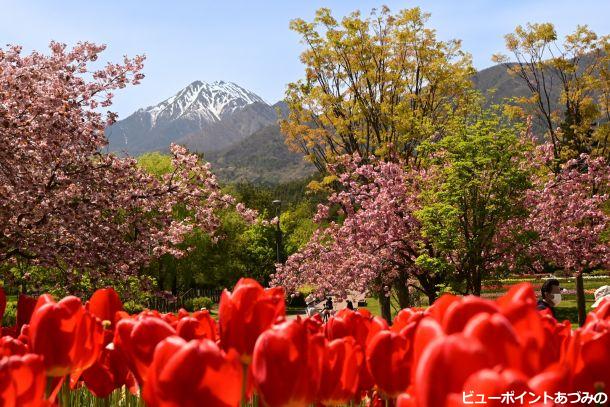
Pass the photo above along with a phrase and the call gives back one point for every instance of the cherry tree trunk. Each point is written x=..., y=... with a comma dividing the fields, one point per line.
x=385, y=306
x=580, y=299
x=402, y=292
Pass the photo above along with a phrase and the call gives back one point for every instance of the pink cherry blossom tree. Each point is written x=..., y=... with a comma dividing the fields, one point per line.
x=66, y=205
x=566, y=213
x=377, y=244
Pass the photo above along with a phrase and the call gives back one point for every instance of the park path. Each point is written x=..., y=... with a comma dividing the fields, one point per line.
x=336, y=306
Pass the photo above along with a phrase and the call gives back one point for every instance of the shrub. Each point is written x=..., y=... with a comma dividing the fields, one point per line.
x=296, y=301
x=10, y=314
x=197, y=303
x=133, y=307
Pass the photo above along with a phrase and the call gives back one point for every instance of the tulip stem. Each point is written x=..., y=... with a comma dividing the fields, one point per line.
x=244, y=383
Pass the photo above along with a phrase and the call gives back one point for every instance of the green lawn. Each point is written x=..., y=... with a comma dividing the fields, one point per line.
x=567, y=309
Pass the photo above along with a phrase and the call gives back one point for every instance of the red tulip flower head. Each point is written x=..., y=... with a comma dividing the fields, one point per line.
x=247, y=312
x=104, y=304
x=22, y=381
x=343, y=359
x=191, y=374
x=287, y=363
x=389, y=357
x=137, y=338
x=68, y=336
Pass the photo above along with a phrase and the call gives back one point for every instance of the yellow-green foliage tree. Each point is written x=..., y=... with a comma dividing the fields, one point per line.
x=569, y=84
x=375, y=85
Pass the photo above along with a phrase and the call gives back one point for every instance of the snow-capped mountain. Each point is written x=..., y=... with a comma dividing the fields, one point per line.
x=203, y=116
x=209, y=102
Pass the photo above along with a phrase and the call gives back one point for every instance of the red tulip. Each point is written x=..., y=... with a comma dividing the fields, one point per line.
x=244, y=314
x=10, y=346
x=195, y=373
x=541, y=338
x=518, y=296
x=498, y=338
x=25, y=309
x=108, y=373
x=406, y=400
x=136, y=339
x=314, y=324
x=439, y=308
x=405, y=317
x=427, y=330
x=553, y=379
x=22, y=381
x=104, y=304
x=286, y=364
x=458, y=313
x=492, y=383
x=67, y=336
x=603, y=310
x=360, y=325
x=200, y=325
x=343, y=360
x=389, y=357
x=444, y=366
x=589, y=356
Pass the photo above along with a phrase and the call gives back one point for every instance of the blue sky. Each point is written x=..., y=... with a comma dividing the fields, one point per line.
x=248, y=42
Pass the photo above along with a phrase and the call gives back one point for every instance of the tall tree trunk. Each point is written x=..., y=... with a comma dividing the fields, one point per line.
x=402, y=291
x=431, y=297
x=429, y=287
x=175, y=283
x=580, y=299
x=476, y=282
x=384, y=304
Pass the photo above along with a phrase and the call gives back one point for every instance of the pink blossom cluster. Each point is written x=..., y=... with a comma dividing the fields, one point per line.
x=565, y=211
x=377, y=241
x=65, y=203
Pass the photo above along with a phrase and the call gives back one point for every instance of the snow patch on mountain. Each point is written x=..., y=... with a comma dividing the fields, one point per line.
x=203, y=102
x=202, y=116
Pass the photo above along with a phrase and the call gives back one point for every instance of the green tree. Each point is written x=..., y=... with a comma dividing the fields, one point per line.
x=297, y=226
x=156, y=163
x=477, y=175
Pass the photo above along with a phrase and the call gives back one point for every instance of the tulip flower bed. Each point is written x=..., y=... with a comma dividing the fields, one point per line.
x=459, y=351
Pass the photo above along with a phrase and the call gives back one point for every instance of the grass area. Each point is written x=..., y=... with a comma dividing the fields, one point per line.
x=567, y=309
x=492, y=289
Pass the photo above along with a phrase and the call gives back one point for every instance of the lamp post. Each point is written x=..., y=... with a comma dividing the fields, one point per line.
x=278, y=231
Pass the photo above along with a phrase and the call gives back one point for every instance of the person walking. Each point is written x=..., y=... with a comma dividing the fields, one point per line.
x=328, y=309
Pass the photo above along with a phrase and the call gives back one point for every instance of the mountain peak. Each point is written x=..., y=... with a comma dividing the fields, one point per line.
x=208, y=101
x=203, y=115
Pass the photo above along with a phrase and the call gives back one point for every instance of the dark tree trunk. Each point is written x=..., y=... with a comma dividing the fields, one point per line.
x=428, y=286
x=580, y=299
x=476, y=282
x=175, y=283
x=384, y=304
x=402, y=291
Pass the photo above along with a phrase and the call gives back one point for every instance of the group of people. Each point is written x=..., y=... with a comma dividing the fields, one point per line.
x=328, y=309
